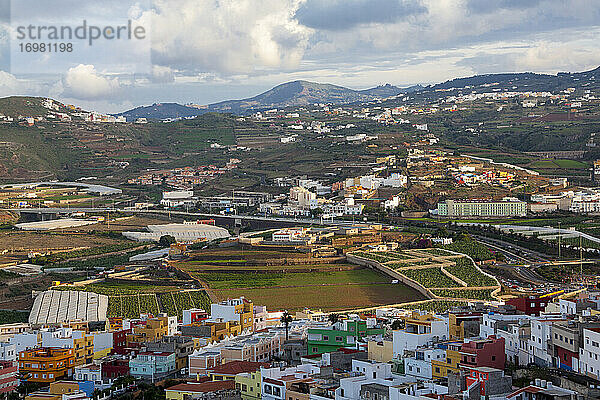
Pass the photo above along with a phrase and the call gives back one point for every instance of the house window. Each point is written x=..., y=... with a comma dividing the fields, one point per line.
x=338, y=338
x=325, y=338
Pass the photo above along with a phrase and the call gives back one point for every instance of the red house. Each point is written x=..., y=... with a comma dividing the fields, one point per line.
x=120, y=341
x=488, y=352
x=113, y=369
x=501, y=384
x=530, y=305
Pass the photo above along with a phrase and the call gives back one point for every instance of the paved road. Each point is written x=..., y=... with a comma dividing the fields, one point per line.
x=530, y=256
x=313, y=221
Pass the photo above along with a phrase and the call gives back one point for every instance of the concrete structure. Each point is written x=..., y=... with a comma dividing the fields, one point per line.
x=482, y=208
x=58, y=306
x=186, y=232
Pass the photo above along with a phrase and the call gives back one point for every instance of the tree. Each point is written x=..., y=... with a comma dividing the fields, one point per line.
x=166, y=240
x=286, y=319
x=317, y=212
x=397, y=324
x=333, y=318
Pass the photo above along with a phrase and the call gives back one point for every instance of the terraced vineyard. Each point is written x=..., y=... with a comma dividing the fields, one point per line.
x=430, y=278
x=465, y=271
x=475, y=294
x=171, y=303
x=129, y=301
x=446, y=274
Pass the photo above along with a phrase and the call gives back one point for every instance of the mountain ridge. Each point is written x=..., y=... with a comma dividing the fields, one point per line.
x=288, y=94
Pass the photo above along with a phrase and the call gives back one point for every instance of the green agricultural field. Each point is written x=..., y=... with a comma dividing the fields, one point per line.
x=252, y=280
x=200, y=266
x=430, y=277
x=116, y=289
x=466, y=271
x=171, y=303
x=484, y=294
x=327, y=298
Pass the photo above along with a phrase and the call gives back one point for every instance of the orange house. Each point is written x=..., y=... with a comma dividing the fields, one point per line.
x=46, y=365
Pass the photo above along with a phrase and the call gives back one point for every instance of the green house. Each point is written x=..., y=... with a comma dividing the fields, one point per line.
x=341, y=334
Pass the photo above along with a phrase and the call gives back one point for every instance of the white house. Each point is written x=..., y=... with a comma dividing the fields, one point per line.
x=589, y=353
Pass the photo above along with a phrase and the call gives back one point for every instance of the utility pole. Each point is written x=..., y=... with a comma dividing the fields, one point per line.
x=558, y=240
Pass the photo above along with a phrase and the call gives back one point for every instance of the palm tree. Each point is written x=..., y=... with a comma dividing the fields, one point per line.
x=286, y=318
x=333, y=318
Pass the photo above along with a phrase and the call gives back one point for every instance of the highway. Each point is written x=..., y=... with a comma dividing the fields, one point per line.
x=62, y=210
x=529, y=256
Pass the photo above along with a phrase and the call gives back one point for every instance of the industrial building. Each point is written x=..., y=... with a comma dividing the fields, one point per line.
x=54, y=307
x=507, y=207
x=186, y=232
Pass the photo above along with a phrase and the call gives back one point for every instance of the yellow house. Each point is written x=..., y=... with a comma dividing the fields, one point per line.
x=56, y=391
x=441, y=368
x=83, y=348
x=380, y=351
x=248, y=383
x=153, y=330
x=460, y=324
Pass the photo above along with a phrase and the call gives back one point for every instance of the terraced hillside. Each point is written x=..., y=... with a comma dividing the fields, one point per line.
x=441, y=273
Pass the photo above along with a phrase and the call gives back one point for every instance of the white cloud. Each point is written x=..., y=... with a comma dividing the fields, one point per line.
x=161, y=74
x=11, y=85
x=84, y=82
x=8, y=82
x=553, y=57
x=229, y=36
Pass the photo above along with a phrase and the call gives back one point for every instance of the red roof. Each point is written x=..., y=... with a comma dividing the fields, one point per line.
x=156, y=353
x=528, y=389
x=203, y=387
x=237, y=367
x=273, y=381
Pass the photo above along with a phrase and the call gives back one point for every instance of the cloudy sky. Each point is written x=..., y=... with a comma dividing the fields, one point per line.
x=204, y=51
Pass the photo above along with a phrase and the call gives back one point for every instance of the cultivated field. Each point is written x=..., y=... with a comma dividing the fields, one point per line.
x=130, y=300
x=292, y=280
x=327, y=298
